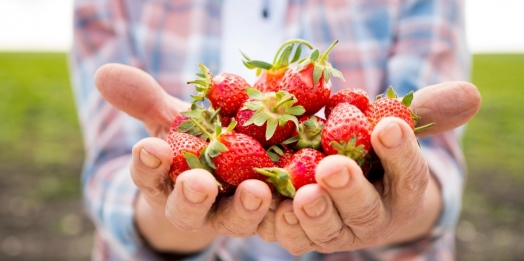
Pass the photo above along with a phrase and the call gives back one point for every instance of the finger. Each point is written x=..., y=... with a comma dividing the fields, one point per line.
x=240, y=215
x=356, y=200
x=406, y=172
x=320, y=220
x=189, y=203
x=149, y=167
x=448, y=105
x=139, y=95
x=288, y=231
x=266, y=228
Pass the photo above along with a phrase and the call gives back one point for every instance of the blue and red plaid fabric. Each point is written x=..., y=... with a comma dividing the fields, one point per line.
x=408, y=44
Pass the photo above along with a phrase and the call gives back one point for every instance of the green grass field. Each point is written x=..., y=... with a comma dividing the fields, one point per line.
x=42, y=153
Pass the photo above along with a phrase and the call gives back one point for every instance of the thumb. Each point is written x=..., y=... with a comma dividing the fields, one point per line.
x=136, y=93
x=406, y=171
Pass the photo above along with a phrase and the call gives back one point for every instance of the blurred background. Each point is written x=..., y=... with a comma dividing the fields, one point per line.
x=41, y=151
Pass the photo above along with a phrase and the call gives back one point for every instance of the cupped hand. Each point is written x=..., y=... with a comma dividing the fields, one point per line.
x=183, y=216
x=344, y=211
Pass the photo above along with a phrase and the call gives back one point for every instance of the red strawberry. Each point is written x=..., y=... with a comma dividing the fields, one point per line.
x=310, y=81
x=391, y=106
x=299, y=171
x=225, y=91
x=270, y=75
x=308, y=134
x=180, y=144
x=347, y=132
x=280, y=156
x=357, y=97
x=225, y=121
x=243, y=154
x=233, y=155
x=178, y=121
x=224, y=189
x=268, y=117
x=269, y=81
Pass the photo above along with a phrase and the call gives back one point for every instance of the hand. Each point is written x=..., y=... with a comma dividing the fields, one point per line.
x=345, y=212
x=183, y=217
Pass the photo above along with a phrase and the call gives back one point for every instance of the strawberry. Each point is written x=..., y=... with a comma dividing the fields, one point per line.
x=347, y=132
x=299, y=171
x=233, y=155
x=225, y=121
x=182, y=144
x=280, y=156
x=225, y=91
x=206, y=117
x=270, y=75
x=308, y=134
x=269, y=118
x=310, y=81
x=224, y=188
x=354, y=96
x=179, y=119
x=391, y=106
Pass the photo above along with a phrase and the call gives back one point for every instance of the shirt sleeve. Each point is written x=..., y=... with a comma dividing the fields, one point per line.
x=430, y=48
x=102, y=35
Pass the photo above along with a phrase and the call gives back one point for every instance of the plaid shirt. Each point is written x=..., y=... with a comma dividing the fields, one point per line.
x=408, y=44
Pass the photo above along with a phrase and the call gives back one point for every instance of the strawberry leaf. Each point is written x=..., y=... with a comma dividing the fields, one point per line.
x=249, y=66
x=286, y=117
x=337, y=73
x=284, y=58
x=327, y=74
x=298, y=52
x=270, y=127
x=186, y=126
x=296, y=110
x=254, y=93
x=314, y=56
x=192, y=161
x=277, y=150
x=391, y=93
x=291, y=140
x=245, y=56
x=274, y=157
x=317, y=73
x=260, y=64
x=408, y=99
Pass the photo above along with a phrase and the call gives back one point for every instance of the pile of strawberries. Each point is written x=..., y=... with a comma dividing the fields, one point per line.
x=269, y=131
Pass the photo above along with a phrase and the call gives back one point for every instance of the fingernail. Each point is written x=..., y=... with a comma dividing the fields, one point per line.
x=391, y=135
x=192, y=195
x=290, y=218
x=250, y=201
x=316, y=208
x=149, y=160
x=338, y=179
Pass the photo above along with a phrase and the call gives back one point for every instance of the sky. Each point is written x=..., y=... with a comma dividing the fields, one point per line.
x=492, y=26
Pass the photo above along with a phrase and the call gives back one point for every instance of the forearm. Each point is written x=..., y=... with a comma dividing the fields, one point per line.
x=163, y=236
x=424, y=224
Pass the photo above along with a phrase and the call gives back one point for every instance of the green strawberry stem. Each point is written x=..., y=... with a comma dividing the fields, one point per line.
x=324, y=56
x=215, y=147
x=214, y=115
x=288, y=42
x=280, y=178
x=282, y=101
x=424, y=127
x=320, y=64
